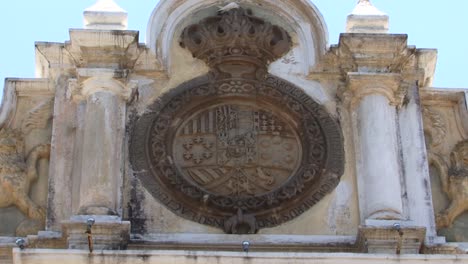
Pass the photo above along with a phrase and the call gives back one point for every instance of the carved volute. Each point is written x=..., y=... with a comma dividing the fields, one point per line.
x=238, y=149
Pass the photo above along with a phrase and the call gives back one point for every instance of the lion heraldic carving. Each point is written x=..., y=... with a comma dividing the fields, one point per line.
x=17, y=173
x=455, y=185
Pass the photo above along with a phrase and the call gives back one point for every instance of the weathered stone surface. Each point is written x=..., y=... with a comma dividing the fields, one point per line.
x=163, y=257
x=249, y=121
x=396, y=239
x=455, y=185
x=106, y=233
x=445, y=131
x=17, y=175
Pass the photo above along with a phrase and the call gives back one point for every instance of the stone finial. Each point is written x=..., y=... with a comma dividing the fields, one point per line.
x=105, y=14
x=366, y=18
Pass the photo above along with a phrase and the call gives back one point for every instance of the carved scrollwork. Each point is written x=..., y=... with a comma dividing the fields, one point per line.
x=38, y=117
x=17, y=173
x=435, y=125
x=455, y=184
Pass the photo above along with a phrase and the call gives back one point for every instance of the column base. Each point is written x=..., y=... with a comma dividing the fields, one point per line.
x=107, y=232
x=391, y=239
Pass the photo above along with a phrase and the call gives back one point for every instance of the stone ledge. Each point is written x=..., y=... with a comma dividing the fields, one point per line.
x=202, y=257
x=258, y=243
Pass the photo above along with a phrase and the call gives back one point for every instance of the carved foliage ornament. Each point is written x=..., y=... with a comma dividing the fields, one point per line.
x=240, y=151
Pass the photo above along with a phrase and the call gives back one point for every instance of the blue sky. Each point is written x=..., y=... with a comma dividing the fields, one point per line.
x=430, y=24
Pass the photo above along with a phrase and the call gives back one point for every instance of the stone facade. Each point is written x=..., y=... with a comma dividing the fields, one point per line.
x=234, y=134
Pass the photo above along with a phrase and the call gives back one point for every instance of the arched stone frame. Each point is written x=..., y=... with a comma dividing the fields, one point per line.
x=301, y=16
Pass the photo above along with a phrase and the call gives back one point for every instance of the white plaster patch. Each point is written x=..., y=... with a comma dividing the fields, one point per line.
x=339, y=213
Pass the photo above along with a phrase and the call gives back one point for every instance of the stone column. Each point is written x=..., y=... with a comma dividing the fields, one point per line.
x=104, y=131
x=373, y=99
x=101, y=165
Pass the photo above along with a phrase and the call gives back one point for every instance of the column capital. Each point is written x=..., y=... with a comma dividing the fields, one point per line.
x=360, y=85
x=79, y=90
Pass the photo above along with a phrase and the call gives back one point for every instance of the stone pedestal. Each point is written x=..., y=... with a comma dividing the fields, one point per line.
x=105, y=14
x=107, y=233
x=395, y=239
x=366, y=18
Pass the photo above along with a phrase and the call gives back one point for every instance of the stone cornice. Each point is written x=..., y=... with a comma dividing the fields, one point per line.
x=444, y=96
x=21, y=87
x=116, y=50
x=104, y=48
x=360, y=85
x=376, y=53
x=455, y=98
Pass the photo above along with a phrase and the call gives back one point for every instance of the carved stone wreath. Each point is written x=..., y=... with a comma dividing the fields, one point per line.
x=214, y=152
x=238, y=149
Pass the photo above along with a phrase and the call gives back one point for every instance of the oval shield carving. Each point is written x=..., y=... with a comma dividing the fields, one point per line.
x=237, y=154
x=236, y=149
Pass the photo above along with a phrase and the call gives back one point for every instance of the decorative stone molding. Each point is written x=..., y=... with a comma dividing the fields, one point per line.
x=363, y=84
x=455, y=184
x=16, y=176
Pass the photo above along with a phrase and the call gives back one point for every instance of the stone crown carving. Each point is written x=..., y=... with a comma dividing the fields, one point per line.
x=236, y=36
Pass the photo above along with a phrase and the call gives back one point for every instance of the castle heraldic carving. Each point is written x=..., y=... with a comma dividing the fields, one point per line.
x=16, y=176
x=237, y=149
